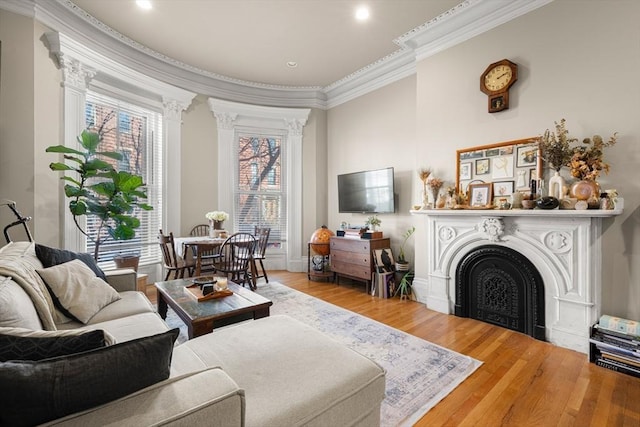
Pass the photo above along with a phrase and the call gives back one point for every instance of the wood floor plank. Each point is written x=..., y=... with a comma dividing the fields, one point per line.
x=522, y=381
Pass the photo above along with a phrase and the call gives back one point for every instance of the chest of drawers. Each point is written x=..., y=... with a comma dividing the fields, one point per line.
x=353, y=258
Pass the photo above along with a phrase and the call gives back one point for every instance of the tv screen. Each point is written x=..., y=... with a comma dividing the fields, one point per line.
x=366, y=191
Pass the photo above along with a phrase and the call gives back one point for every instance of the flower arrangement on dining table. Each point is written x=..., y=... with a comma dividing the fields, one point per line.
x=217, y=216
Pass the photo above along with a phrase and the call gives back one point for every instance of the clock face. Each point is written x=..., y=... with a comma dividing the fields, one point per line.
x=498, y=77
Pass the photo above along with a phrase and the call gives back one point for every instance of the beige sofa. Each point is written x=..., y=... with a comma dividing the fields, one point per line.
x=270, y=372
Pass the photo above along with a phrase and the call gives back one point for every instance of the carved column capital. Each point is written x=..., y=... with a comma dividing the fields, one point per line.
x=295, y=126
x=225, y=120
x=75, y=73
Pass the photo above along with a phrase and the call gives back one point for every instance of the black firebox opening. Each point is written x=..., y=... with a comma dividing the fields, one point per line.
x=498, y=285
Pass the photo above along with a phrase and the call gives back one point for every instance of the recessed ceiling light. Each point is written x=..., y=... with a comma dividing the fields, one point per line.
x=292, y=64
x=144, y=4
x=362, y=13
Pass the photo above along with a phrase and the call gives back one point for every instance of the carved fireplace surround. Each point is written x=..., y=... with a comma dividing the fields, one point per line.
x=564, y=246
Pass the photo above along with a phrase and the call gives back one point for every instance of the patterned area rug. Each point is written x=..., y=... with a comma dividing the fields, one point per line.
x=419, y=373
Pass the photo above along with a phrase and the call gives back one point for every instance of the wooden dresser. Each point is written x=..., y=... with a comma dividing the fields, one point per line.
x=353, y=258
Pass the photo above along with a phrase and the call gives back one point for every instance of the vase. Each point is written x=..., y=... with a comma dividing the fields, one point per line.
x=425, y=197
x=442, y=200
x=434, y=196
x=211, y=229
x=556, y=186
x=585, y=190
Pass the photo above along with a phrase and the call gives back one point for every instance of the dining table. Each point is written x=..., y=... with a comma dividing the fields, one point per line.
x=200, y=244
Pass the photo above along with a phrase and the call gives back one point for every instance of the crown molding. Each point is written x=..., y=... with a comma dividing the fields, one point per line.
x=463, y=22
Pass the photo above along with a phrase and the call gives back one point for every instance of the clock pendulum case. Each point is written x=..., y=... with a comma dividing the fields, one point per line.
x=496, y=81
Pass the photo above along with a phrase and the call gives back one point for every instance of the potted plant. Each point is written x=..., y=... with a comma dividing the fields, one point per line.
x=373, y=222
x=97, y=189
x=402, y=264
x=404, y=287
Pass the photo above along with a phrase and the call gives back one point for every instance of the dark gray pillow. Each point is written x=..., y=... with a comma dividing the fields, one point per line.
x=52, y=256
x=36, y=392
x=13, y=347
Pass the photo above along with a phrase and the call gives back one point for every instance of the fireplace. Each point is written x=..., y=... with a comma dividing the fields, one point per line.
x=559, y=252
x=498, y=285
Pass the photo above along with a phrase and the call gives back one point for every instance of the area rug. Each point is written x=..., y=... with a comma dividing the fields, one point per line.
x=419, y=373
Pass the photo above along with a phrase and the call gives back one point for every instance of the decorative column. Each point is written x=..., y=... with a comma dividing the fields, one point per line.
x=76, y=78
x=172, y=123
x=294, y=204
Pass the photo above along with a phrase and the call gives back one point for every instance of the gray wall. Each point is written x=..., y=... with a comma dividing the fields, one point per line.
x=577, y=60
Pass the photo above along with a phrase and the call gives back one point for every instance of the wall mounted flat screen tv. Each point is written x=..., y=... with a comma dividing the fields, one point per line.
x=366, y=192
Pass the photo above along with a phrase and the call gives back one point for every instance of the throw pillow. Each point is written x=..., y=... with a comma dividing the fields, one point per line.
x=40, y=333
x=37, y=392
x=14, y=347
x=52, y=256
x=78, y=289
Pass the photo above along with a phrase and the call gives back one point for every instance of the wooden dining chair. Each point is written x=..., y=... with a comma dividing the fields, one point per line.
x=235, y=256
x=262, y=235
x=172, y=262
x=207, y=256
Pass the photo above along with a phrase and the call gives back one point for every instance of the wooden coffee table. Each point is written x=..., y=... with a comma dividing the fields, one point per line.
x=202, y=317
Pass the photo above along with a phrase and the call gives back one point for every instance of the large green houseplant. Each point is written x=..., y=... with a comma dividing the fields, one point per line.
x=96, y=188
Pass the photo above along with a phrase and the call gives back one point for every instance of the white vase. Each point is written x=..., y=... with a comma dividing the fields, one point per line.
x=556, y=186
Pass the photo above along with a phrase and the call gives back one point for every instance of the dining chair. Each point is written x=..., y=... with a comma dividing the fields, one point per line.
x=207, y=256
x=173, y=263
x=262, y=235
x=234, y=257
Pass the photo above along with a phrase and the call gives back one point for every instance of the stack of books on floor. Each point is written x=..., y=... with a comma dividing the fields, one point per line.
x=615, y=345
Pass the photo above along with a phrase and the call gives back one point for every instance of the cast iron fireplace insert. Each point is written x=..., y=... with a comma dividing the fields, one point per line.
x=498, y=285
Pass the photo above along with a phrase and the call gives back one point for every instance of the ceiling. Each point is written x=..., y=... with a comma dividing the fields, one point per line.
x=252, y=40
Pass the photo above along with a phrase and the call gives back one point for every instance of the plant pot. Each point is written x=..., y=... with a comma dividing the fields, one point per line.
x=127, y=261
x=402, y=266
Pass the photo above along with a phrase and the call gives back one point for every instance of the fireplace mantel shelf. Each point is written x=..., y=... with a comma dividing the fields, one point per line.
x=593, y=213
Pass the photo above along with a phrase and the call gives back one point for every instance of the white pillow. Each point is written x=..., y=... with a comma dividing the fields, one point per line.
x=78, y=289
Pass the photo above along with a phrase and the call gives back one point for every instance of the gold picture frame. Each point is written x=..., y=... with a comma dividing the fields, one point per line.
x=481, y=195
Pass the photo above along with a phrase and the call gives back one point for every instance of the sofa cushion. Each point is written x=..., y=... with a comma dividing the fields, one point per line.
x=38, y=391
x=16, y=308
x=53, y=256
x=78, y=289
x=16, y=347
x=126, y=328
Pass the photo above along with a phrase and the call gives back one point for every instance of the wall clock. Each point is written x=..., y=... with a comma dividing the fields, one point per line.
x=496, y=81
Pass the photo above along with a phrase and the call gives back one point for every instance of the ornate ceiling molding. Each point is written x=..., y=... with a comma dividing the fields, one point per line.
x=466, y=20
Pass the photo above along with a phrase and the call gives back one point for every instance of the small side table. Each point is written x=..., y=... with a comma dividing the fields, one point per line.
x=318, y=266
x=141, y=283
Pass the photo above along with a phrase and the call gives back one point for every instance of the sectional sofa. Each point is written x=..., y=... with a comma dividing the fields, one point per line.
x=76, y=351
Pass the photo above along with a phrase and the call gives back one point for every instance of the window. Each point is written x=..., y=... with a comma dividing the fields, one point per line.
x=260, y=197
x=136, y=133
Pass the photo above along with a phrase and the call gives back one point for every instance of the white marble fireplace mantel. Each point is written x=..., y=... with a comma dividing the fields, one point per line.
x=564, y=245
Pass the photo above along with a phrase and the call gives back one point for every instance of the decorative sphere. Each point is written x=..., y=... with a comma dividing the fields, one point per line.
x=320, y=240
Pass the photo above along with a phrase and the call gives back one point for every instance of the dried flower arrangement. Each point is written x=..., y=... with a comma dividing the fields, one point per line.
x=423, y=174
x=555, y=147
x=435, y=184
x=587, y=160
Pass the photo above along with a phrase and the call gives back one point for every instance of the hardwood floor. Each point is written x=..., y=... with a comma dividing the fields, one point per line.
x=522, y=382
